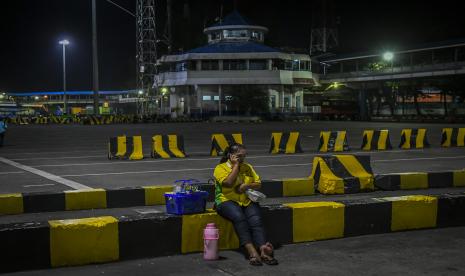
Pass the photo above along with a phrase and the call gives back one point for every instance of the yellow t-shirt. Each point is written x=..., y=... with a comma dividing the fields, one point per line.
x=246, y=175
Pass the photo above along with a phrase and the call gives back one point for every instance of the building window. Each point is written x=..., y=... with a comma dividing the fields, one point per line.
x=277, y=64
x=256, y=35
x=273, y=101
x=207, y=98
x=216, y=98
x=234, y=64
x=210, y=64
x=304, y=65
x=258, y=64
x=288, y=65
x=235, y=33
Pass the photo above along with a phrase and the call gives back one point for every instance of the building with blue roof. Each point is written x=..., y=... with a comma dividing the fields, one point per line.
x=201, y=80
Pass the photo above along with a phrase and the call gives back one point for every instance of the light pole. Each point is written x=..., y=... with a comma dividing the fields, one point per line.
x=64, y=42
x=389, y=57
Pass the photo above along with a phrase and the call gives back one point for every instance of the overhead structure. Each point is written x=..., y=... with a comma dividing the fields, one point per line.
x=323, y=33
x=146, y=51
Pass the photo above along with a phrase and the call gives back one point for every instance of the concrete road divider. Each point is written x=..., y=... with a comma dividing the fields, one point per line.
x=420, y=180
x=376, y=140
x=55, y=243
x=341, y=174
x=333, y=141
x=117, y=147
x=168, y=146
x=413, y=139
x=285, y=142
x=453, y=137
x=221, y=141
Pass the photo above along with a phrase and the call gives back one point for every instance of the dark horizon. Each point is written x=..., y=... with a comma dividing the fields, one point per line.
x=32, y=57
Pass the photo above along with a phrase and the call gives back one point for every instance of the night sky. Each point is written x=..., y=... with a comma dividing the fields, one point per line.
x=31, y=58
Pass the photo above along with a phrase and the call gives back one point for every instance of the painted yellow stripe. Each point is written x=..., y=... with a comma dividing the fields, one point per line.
x=407, y=134
x=317, y=220
x=420, y=141
x=461, y=137
x=356, y=169
x=325, y=135
x=121, y=146
x=292, y=142
x=340, y=138
x=298, y=187
x=369, y=137
x=158, y=146
x=83, y=241
x=155, y=195
x=221, y=141
x=173, y=145
x=328, y=183
x=459, y=178
x=137, y=148
x=11, y=204
x=416, y=180
x=413, y=212
x=383, y=139
x=276, y=138
x=85, y=199
x=192, y=231
x=238, y=138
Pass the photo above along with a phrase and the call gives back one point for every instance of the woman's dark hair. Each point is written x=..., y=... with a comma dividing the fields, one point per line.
x=231, y=150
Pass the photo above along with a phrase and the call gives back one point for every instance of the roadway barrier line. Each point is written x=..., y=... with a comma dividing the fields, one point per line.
x=56, y=178
x=55, y=243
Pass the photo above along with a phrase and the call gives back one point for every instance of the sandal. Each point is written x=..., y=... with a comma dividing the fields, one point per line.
x=255, y=261
x=267, y=254
x=269, y=260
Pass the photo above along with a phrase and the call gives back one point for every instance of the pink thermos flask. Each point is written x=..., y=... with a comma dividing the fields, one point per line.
x=210, y=242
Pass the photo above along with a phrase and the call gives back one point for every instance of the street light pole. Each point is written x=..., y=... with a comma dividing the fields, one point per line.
x=95, y=82
x=64, y=42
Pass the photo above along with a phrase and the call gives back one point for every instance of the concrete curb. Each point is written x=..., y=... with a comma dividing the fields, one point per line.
x=37, y=245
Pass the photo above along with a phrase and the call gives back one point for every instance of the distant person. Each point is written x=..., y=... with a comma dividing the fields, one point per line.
x=232, y=178
x=3, y=127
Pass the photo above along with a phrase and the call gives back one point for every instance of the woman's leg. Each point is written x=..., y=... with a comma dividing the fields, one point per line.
x=233, y=212
x=254, y=219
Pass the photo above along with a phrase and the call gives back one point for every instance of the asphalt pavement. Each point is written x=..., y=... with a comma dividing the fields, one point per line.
x=39, y=158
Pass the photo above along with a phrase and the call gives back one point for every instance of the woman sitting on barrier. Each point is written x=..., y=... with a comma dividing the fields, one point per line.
x=233, y=178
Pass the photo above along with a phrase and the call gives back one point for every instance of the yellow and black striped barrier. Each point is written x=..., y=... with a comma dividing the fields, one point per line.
x=125, y=147
x=103, y=239
x=221, y=141
x=413, y=139
x=453, y=137
x=333, y=141
x=420, y=180
x=167, y=146
x=342, y=174
x=376, y=140
x=41, y=120
x=285, y=142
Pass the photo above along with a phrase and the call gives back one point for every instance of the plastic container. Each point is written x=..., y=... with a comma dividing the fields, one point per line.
x=186, y=203
x=211, y=237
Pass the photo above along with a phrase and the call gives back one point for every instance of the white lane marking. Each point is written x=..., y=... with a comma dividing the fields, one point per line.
x=256, y=166
x=117, y=162
x=47, y=175
x=55, y=158
x=11, y=172
x=180, y=170
x=39, y=185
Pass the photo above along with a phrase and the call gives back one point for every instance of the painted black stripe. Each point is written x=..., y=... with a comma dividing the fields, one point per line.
x=365, y=142
x=388, y=142
x=440, y=179
x=455, y=133
x=351, y=183
x=366, y=216
x=272, y=188
x=316, y=176
x=320, y=145
x=298, y=147
x=413, y=138
x=364, y=160
x=180, y=142
x=149, y=236
x=24, y=246
x=277, y=222
x=230, y=139
x=332, y=140
x=387, y=182
x=166, y=145
x=283, y=143
x=216, y=147
x=43, y=202
x=375, y=139
x=129, y=146
x=402, y=139
x=444, y=137
x=450, y=210
x=113, y=145
x=272, y=144
x=425, y=141
x=125, y=197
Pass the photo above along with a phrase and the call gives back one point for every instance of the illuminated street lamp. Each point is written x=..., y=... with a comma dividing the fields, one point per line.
x=64, y=42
